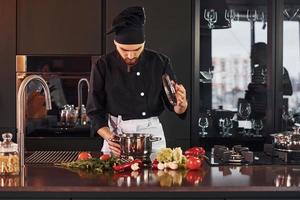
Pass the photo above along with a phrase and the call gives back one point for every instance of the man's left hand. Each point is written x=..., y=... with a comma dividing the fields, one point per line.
x=182, y=104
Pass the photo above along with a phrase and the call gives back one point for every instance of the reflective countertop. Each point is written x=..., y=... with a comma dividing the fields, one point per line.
x=209, y=179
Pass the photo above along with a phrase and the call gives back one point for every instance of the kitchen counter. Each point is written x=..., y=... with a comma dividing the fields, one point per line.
x=225, y=182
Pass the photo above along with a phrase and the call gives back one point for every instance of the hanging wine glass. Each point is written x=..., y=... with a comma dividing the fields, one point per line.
x=237, y=16
x=211, y=16
x=229, y=16
x=252, y=15
x=203, y=124
x=290, y=13
x=264, y=20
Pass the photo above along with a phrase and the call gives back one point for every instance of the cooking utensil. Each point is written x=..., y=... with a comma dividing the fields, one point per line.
x=135, y=144
x=286, y=141
x=169, y=89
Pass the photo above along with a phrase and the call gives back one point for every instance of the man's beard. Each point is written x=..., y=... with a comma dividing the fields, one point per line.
x=131, y=62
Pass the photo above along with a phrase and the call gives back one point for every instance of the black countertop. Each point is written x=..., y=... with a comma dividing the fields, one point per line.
x=211, y=182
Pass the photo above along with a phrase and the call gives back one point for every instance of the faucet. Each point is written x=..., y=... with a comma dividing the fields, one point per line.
x=21, y=110
x=79, y=91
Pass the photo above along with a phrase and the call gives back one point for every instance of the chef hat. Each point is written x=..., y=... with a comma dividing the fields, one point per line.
x=129, y=26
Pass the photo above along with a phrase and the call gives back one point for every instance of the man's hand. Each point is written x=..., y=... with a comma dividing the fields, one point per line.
x=107, y=135
x=114, y=147
x=182, y=104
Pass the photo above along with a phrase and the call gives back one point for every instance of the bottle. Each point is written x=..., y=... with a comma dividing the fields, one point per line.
x=63, y=115
x=9, y=156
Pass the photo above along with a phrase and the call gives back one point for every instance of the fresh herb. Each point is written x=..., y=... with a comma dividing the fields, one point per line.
x=94, y=164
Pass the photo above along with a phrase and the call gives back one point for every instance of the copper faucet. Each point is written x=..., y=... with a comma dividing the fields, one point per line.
x=21, y=110
x=79, y=92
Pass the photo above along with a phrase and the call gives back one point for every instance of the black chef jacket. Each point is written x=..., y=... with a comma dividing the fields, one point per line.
x=136, y=94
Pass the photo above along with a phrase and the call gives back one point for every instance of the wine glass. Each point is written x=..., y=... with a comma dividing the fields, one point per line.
x=211, y=16
x=244, y=111
x=203, y=124
x=252, y=15
x=257, y=125
x=229, y=15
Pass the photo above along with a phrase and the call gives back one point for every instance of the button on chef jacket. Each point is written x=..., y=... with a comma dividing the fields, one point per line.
x=136, y=94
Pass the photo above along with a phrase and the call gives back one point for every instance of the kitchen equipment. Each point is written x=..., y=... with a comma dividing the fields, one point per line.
x=237, y=155
x=9, y=156
x=136, y=145
x=240, y=155
x=287, y=141
x=51, y=157
x=169, y=89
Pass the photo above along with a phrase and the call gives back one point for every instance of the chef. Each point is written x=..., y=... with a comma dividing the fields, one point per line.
x=127, y=94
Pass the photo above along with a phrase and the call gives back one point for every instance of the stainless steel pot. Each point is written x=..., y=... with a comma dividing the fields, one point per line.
x=136, y=144
x=286, y=141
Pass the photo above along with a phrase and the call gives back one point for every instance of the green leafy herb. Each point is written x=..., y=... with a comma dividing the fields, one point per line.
x=94, y=164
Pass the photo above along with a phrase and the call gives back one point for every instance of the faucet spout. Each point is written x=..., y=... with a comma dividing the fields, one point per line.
x=79, y=92
x=21, y=110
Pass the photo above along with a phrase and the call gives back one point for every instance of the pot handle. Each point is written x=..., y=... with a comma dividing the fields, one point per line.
x=154, y=139
x=115, y=138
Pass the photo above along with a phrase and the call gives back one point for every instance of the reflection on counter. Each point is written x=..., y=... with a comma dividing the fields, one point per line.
x=10, y=181
x=146, y=177
x=288, y=177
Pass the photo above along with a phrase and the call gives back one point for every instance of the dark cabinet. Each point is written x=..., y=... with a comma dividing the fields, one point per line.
x=168, y=30
x=7, y=63
x=59, y=27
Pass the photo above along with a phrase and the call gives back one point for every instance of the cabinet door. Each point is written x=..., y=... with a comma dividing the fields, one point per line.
x=59, y=27
x=7, y=63
x=168, y=31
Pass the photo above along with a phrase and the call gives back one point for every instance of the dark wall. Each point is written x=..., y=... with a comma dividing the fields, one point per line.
x=168, y=30
x=7, y=64
x=59, y=27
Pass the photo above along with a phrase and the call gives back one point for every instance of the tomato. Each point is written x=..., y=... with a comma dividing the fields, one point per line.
x=84, y=156
x=194, y=177
x=104, y=157
x=193, y=163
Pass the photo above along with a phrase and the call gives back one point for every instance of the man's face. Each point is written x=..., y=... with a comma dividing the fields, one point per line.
x=130, y=52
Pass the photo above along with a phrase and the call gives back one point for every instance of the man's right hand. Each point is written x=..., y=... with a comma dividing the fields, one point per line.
x=114, y=147
x=107, y=135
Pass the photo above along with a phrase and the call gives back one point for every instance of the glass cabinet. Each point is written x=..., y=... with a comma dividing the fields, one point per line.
x=291, y=64
x=246, y=69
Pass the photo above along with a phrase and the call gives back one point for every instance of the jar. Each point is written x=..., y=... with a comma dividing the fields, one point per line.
x=83, y=118
x=71, y=116
x=9, y=156
x=63, y=114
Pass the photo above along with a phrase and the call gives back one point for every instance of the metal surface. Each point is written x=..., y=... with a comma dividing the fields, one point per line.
x=136, y=145
x=51, y=157
x=21, y=110
x=79, y=93
x=195, y=92
x=286, y=141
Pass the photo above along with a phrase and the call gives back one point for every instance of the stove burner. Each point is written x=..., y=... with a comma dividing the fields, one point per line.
x=286, y=155
x=237, y=155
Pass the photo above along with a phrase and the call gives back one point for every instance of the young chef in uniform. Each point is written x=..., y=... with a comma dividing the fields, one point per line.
x=126, y=93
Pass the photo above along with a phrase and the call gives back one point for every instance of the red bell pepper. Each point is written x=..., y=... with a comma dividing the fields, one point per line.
x=126, y=165
x=195, y=151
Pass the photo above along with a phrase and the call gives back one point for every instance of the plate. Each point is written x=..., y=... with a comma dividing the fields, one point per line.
x=169, y=89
